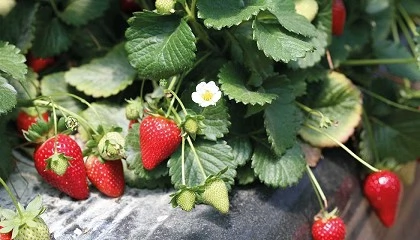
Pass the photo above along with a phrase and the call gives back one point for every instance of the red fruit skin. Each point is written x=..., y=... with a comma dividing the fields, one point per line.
x=5, y=236
x=129, y=6
x=24, y=120
x=107, y=176
x=382, y=189
x=39, y=64
x=338, y=17
x=330, y=229
x=74, y=181
x=130, y=124
x=159, y=138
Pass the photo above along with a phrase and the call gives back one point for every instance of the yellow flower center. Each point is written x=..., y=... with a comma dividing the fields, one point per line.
x=207, y=95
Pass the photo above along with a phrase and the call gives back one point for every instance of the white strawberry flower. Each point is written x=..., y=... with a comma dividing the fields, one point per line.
x=206, y=94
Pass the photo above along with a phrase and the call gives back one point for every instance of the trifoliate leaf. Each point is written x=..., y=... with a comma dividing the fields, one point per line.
x=7, y=96
x=232, y=79
x=213, y=157
x=12, y=61
x=105, y=76
x=388, y=49
x=79, y=12
x=106, y=114
x=275, y=171
x=340, y=101
x=220, y=13
x=55, y=86
x=51, y=35
x=140, y=177
x=241, y=149
x=18, y=26
x=159, y=46
x=312, y=58
x=282, y=119
x=285, y=12
x=216, y=121
x=395, y=136
x=279, y=44
x=246, y=52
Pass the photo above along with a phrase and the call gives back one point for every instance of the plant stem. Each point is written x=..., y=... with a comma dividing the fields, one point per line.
x=407, y=36
x=196, y=157
x=372, y=168
x=379, y=61
x=179, y=101
x=411, y=25
x=14, y=200
x=55, y=125
x=394, y=31
x=318, y=190
x=183, y=160
x=389, y=102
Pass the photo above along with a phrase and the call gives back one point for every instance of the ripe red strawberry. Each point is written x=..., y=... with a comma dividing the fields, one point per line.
x=106, y=176
x=39, y=64
x=328, y=228
x=129, y=6
x=63, y=169
x=338, y=17
x=25, y=119
x=159, y=138
x=383, y=189
x=5, y=236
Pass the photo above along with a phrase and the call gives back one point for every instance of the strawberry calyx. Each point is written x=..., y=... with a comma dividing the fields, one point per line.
x=186, y=197
x=58, y=163
x=40, y=131
x=324, y=215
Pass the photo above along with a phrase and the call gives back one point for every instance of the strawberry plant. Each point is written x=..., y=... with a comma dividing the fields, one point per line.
x=199, y=97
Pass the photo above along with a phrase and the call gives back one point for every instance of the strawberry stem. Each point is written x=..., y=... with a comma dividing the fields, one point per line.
x=318, y=190
x=411, y=25
x=343, y=147
x=407, y=36
x=389, y=102
x=14, y=200
x=379, y=61
x=183, y=161
x=196, y=157
x=179, y=101
x=55, y=125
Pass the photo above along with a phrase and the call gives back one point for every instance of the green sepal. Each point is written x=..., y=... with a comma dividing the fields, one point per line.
x=58, y=163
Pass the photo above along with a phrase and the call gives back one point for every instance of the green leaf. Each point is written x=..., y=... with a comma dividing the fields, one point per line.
x=282, y=119
x=51, y=36
x=212, y=158
x=232, y=79
x=159, y=46
x=395, y=137
x=106, y=114
x=339, y=100
x=276, y=171
x=7, y=96
x=278, y=43
x=241, y=149
x=388, y=49
x=79, y=12
x=104, y=76
x=324, y=17
x=140, y=177
x=12, y=61
x=285, y=12
x=320, y=43
x=22, y=18
x=55, y=86
x=383, y=22
x=220, y=13
x=216, y=121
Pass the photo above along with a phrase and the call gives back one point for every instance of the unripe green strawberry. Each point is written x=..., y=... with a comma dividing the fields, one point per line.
x=216, y=194
x=111, y=146
x=186, y=200
x=191, y=126
x=36, y=229
x=134, y=109
x=165, y=6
